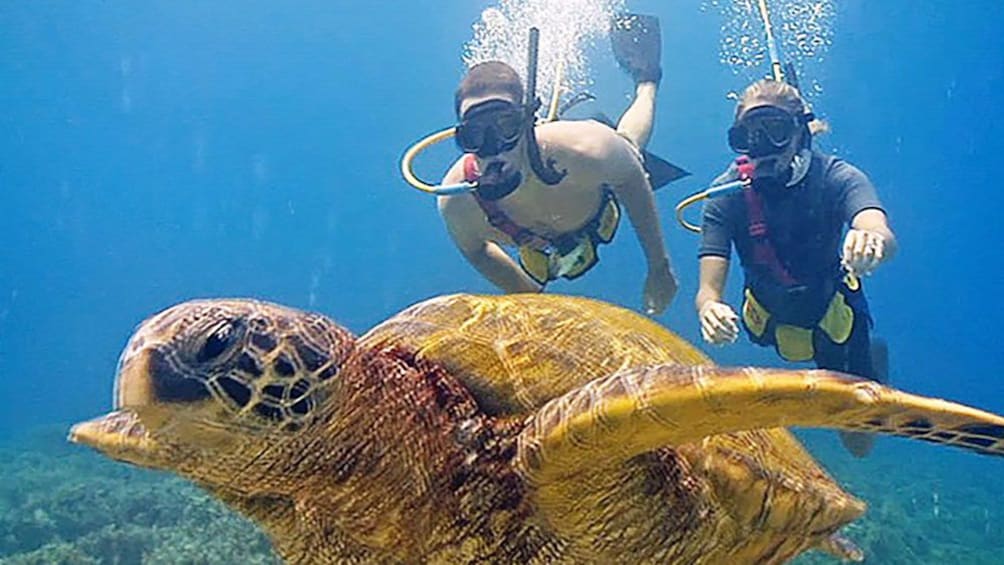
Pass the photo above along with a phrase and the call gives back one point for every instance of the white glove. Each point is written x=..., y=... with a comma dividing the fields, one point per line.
x=719, y=323
x=863, y=251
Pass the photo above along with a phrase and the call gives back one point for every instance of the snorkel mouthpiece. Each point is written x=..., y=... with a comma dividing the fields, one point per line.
x=745, y=168
x=494, y=182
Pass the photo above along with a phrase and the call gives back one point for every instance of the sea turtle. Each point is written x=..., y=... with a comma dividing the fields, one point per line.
x=509, y=429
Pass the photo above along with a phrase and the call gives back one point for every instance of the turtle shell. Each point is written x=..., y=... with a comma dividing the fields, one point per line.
x=516, y=352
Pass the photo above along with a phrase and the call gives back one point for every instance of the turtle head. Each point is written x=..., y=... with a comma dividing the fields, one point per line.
x=209, y=387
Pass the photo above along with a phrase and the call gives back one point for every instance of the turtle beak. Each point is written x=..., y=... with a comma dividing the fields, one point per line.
x=119, y=435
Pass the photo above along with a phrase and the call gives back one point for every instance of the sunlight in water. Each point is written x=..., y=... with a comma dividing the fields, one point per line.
x=803, y=30
x=567, y=29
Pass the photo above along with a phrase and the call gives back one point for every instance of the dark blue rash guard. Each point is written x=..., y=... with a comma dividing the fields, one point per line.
x=805, y=224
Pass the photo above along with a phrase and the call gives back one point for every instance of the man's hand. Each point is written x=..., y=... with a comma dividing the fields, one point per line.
x=660, y=288
x=719, y=323
x=864, y=250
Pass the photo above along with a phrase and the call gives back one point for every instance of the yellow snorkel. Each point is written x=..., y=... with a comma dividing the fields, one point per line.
x=734, y=186
x=407, y=169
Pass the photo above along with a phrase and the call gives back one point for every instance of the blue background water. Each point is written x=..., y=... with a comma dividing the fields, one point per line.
x=155, y=152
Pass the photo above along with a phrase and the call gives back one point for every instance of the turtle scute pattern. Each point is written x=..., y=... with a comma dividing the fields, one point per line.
x=404, y=445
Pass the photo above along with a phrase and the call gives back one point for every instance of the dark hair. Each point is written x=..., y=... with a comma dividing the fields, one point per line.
x=489, y=78
x=782, y=95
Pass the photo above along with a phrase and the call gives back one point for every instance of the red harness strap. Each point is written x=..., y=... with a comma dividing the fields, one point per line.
x=763, y=251
x=497, y=218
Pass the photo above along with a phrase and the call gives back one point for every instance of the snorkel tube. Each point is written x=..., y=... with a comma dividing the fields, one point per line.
x=413, y=180
x=742, y=163
x=546, y=174
x=718, y=190
x=775, y=56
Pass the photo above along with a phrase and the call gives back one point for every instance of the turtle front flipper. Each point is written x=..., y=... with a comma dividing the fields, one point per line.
x=614, y=418
x=597, y=457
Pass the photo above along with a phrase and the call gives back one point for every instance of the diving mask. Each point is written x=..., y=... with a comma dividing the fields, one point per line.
x=762, y=131
x=490, y=128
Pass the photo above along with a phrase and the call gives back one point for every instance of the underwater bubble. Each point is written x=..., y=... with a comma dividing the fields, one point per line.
x=493, y=17
x=567, y=29
x=803, y=30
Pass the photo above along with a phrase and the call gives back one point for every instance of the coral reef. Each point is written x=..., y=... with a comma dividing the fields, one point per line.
x=925, y=504
x=61, y=504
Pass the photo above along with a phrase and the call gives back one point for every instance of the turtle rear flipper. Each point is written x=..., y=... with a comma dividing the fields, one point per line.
x=617, y=417
x=637, y=46
x=842, y=548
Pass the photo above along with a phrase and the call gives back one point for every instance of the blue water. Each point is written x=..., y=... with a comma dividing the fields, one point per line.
x=154, y=152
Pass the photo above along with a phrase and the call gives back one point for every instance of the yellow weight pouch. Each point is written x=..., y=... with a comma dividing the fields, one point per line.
x=754, y=314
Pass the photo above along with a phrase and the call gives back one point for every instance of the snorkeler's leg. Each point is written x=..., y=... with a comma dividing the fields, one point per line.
x=862, y=359
x=880, y=360
x=636, y=40
x=859, y=362
x=828, y=355
x=636, y=122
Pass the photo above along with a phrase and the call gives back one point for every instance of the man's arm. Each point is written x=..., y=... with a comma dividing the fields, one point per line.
x=719, y=322
x=869, y=242
x=633, y=190
x=471, y=232
x=711, y=285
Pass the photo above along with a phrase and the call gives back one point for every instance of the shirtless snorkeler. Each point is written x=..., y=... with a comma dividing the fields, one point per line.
x=554, y=191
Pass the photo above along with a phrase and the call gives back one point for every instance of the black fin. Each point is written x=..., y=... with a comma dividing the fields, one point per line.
x=858, y=444
x=603, y=119
x=637, y=46
x=660, y=171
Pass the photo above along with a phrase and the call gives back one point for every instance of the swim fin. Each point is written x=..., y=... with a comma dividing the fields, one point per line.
x=660, y=171
x=860, y=444
x=637, y=46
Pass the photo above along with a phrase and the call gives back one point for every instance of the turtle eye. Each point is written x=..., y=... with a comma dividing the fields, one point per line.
x=217, y=343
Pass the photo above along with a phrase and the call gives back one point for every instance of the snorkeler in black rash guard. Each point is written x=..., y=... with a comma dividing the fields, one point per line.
x=802, y=291
x=554, y=190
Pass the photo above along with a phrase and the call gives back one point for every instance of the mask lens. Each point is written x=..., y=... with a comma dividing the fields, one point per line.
x=762, y=131
x=739, y=139
x=498, y=121
x=510, y=125
x=778, y=130
x=470, y=137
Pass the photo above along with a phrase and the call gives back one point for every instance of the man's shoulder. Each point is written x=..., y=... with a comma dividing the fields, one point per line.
x=574, y=127
x=582, y=137
x=837, y=173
